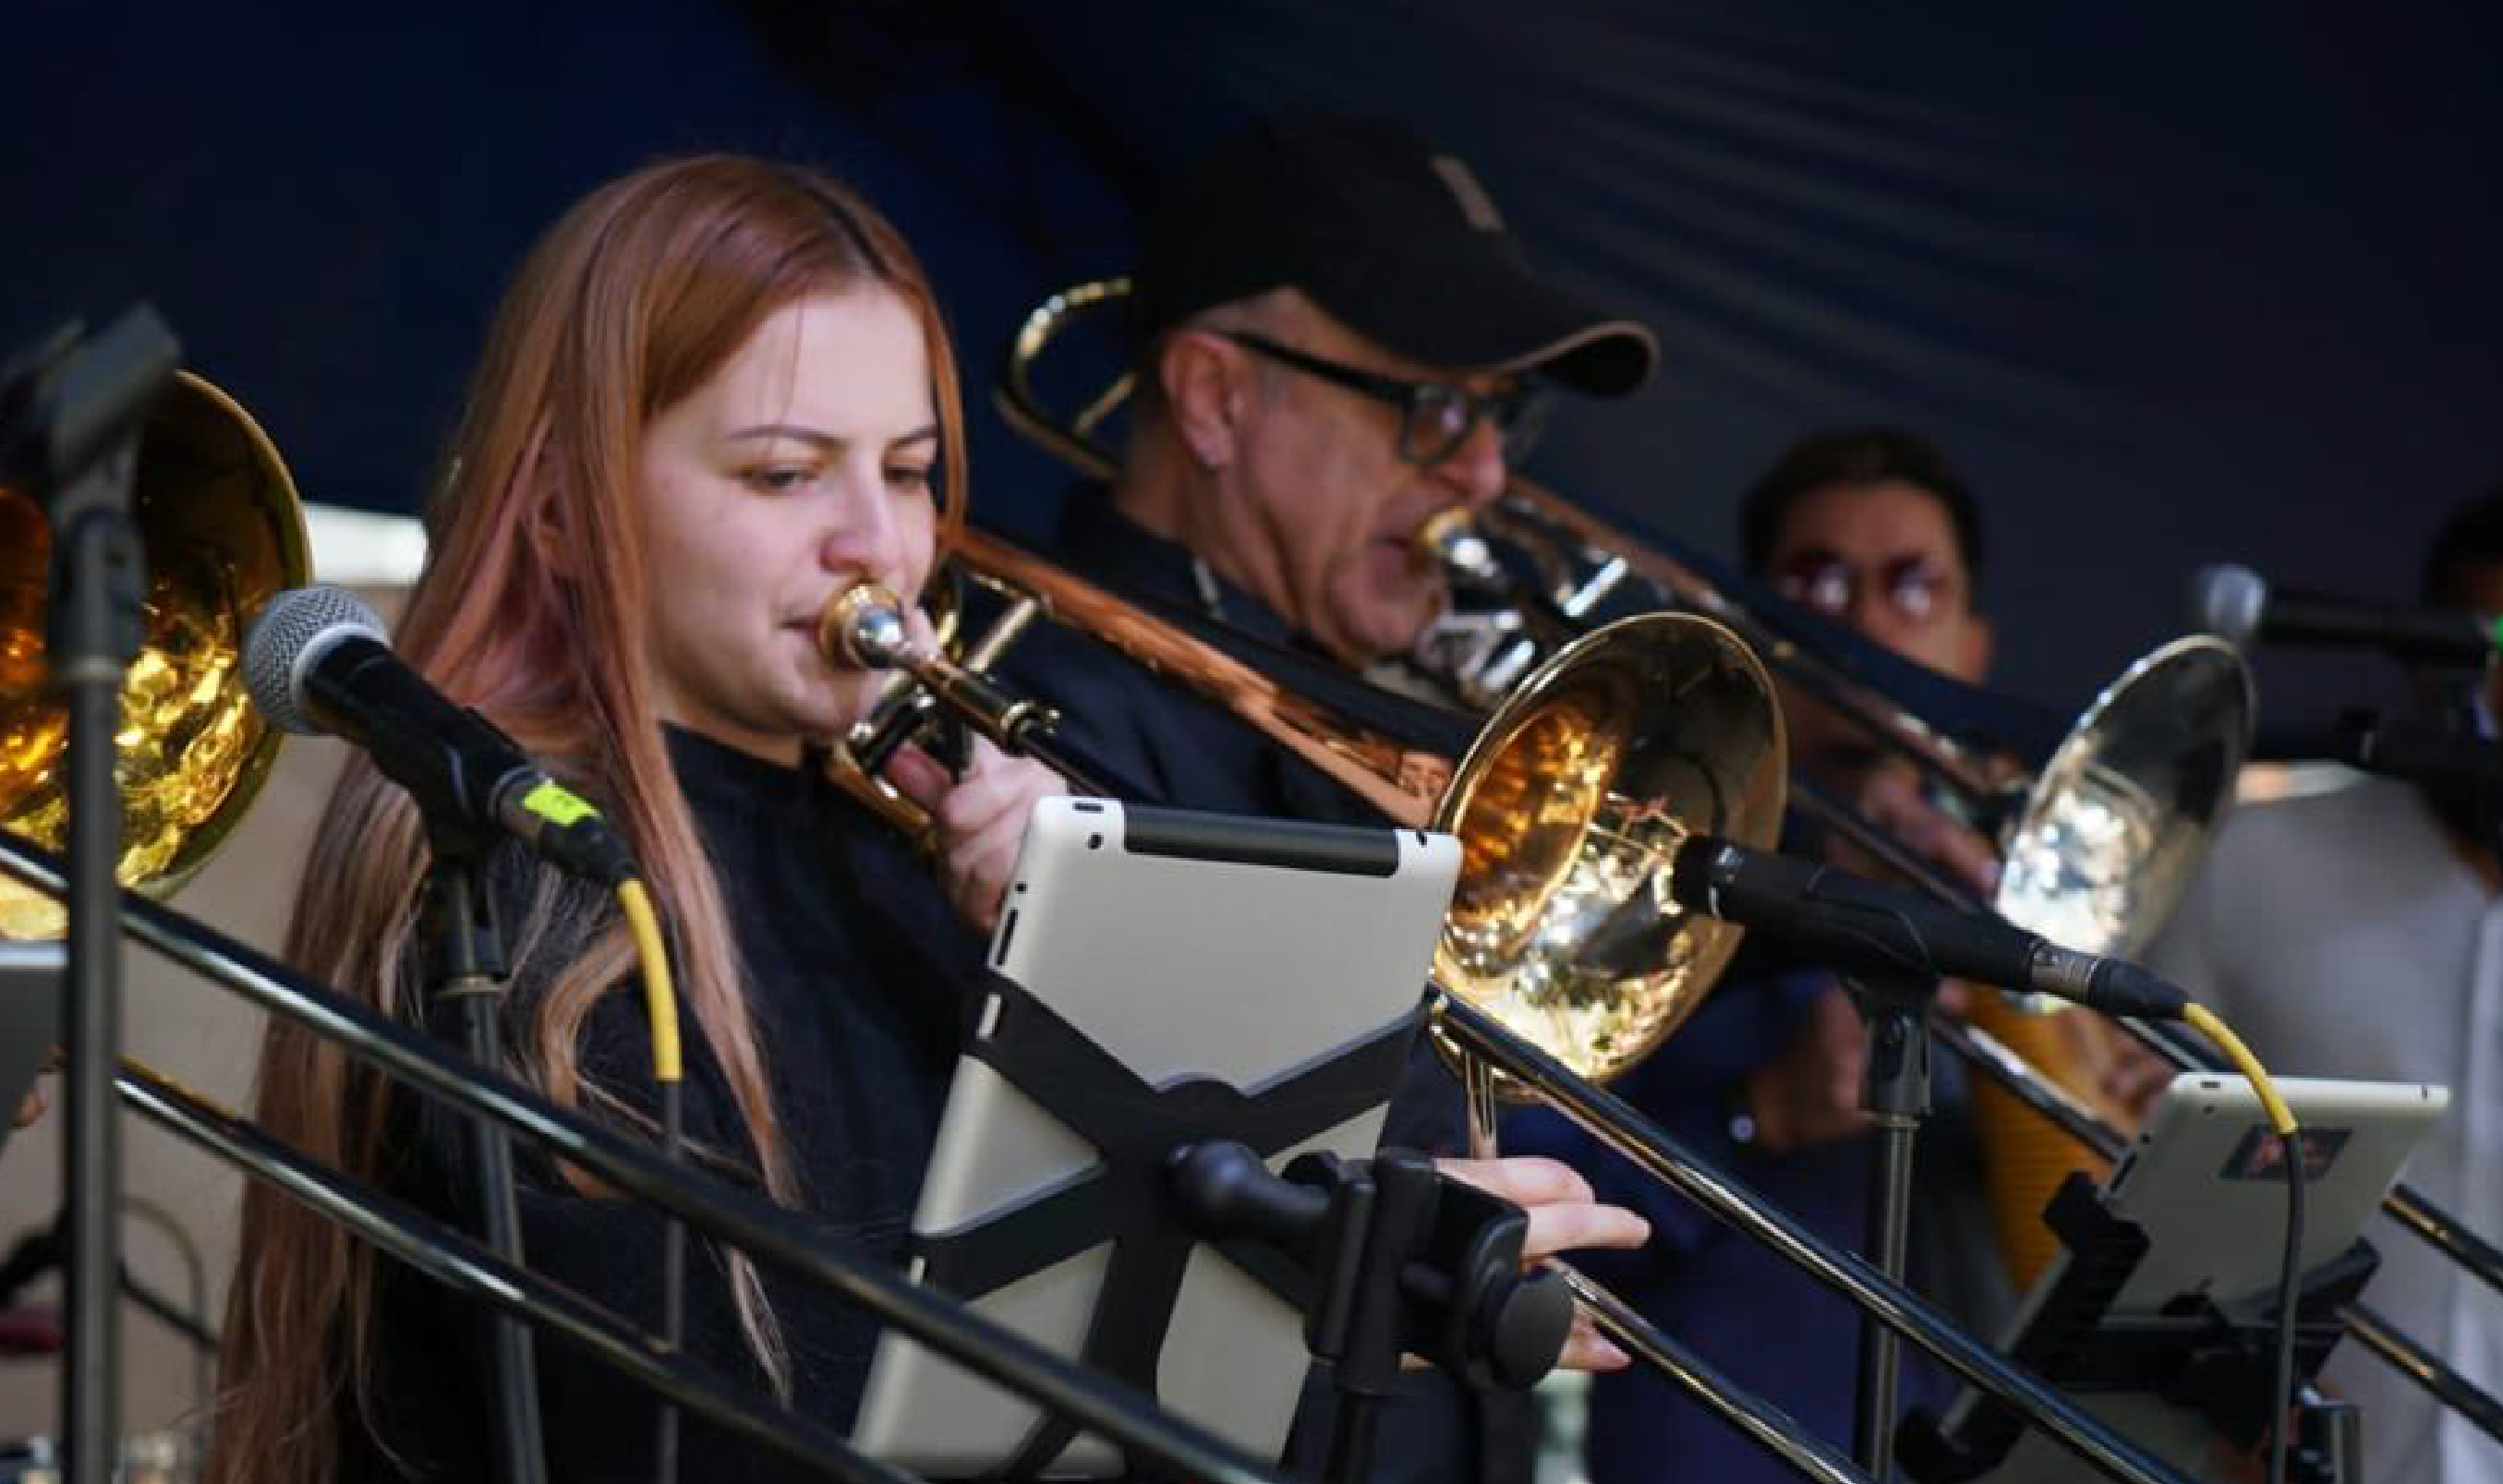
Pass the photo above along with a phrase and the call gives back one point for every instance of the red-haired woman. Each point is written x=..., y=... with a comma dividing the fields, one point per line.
x=718, y=393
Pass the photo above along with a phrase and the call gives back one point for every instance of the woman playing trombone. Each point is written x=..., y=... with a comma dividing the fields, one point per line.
x=718, y=393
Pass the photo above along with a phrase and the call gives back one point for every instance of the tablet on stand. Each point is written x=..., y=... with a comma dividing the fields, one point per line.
x=1155, y=971
x=2158, y=1315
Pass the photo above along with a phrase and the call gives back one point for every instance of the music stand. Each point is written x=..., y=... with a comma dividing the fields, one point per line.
x=1170, y=982
x=2160, y=1313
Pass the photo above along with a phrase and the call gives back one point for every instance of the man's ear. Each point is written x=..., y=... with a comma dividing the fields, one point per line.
x=1203, y=380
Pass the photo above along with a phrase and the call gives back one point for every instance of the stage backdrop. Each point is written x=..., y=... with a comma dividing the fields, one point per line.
x=2174, y=284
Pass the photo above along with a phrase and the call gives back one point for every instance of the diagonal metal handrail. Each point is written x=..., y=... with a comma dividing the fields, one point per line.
x=466, y=1267
x=1614, y=1123
x=768, y=1232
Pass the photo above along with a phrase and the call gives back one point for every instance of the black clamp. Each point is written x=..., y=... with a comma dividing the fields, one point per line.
x=2214, y=1358
x=1135, y=1128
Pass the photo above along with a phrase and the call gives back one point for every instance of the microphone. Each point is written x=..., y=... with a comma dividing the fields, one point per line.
x=316, y=662
x=2236, y=603
x=1861, y=927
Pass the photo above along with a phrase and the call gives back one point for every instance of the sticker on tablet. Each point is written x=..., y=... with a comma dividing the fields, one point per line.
x=2261, y=1155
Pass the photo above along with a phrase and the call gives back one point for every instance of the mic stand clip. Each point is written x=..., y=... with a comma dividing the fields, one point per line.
x=2215, y=1358
x=1403, y=1257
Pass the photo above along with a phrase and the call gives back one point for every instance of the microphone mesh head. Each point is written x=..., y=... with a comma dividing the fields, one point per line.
x=2227, y=600
x=287, y=636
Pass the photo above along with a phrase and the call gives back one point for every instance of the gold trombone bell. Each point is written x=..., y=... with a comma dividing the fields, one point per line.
x=224, y=532
x=1569, y=808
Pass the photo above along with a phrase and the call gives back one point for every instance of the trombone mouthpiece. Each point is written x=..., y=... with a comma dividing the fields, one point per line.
x=863, y=625
x=1448, y=539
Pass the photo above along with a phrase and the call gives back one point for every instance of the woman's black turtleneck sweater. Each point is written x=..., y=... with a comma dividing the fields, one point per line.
x=854, y=970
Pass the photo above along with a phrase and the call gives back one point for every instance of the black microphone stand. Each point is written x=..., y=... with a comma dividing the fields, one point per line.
x=467, y=975
x=1895, y=1093
x=69, y=432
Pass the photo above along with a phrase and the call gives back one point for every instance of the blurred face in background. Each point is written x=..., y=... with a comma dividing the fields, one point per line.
x=1880, y=558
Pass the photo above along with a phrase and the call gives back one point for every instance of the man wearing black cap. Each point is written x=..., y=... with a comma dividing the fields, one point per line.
x=1341, y=340
x=1337, y=342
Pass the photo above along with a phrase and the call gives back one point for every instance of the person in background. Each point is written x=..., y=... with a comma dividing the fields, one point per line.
x=1871, y=528
x=2358, y=933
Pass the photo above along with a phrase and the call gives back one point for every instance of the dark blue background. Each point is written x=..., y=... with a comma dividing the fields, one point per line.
x=2177, y=282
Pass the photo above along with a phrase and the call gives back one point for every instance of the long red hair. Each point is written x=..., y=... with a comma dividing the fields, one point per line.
x=531, y=607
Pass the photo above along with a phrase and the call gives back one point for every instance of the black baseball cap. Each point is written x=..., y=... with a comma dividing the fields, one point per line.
x=1390, y=236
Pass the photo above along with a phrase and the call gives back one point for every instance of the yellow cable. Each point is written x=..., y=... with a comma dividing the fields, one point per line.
x=2281, y=1117
x=660, y=996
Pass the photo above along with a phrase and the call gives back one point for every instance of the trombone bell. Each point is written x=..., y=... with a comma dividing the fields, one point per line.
x=2113, y=832
x=1570, y=807
x=2118, y=822
x=223, y=532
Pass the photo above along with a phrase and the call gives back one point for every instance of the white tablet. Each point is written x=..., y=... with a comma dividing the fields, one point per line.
x=1186, y=948
x=31, y=1016
x=2205, y=1182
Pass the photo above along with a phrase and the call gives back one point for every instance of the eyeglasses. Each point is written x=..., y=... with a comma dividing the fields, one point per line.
x=1435, y=417
x=1915, y=585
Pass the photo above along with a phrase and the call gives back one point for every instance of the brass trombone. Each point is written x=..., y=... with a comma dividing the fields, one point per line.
x=224, y=534
x=2099, y=847
x=1568, y=804
x=2087, y=786
x=2100, y=826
